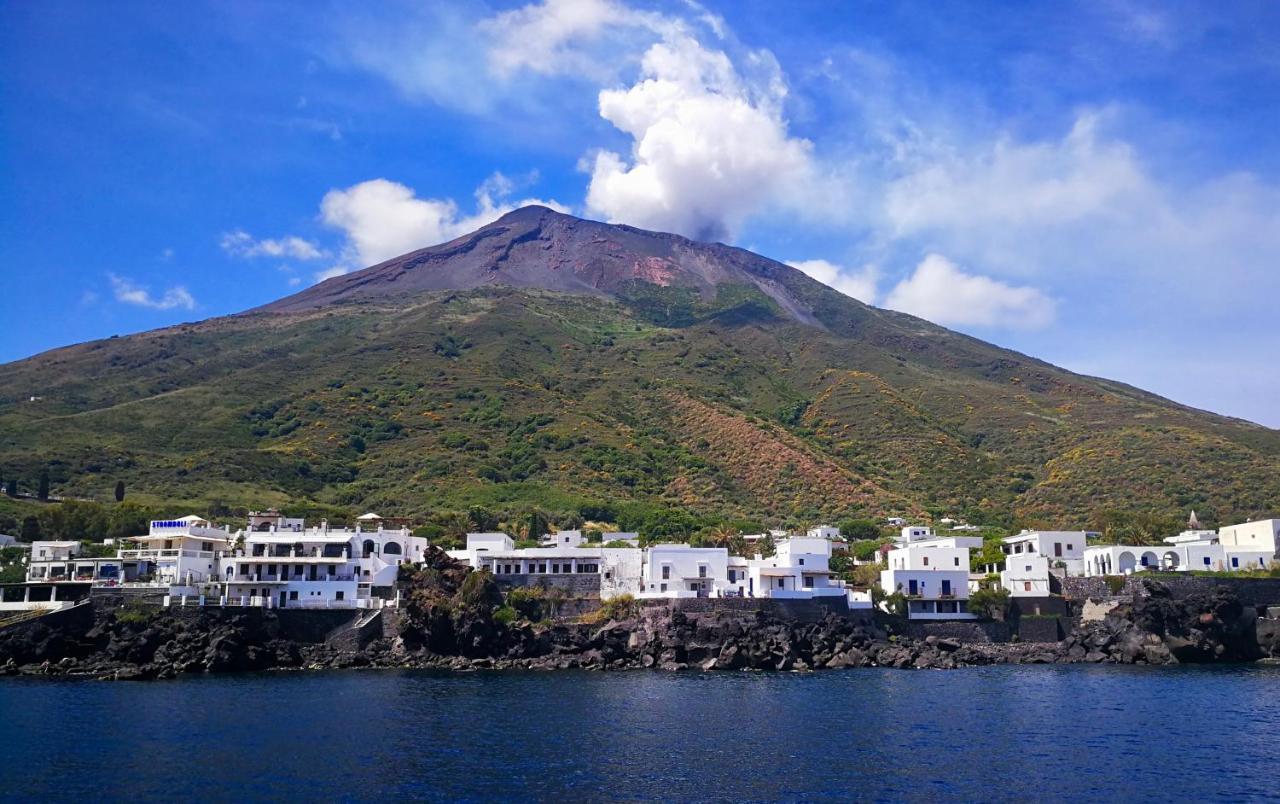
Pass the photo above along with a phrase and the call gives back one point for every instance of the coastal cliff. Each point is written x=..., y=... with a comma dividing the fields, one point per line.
x=452, y=618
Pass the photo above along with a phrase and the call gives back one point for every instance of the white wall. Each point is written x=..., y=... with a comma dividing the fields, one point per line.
x=1262, y=536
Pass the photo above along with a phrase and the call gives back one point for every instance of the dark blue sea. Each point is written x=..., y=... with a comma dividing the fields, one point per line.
x=990, y=734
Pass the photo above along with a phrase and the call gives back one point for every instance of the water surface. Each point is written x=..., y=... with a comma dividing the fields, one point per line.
x=1001, y=733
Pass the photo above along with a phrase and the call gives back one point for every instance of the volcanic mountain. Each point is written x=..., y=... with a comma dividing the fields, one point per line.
x=612, y=373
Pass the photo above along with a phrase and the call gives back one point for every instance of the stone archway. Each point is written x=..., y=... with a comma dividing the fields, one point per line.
x=1170, y=560
x=1150, y=560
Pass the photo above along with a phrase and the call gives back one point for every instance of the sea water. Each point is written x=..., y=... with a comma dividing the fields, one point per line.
x=1008, y=733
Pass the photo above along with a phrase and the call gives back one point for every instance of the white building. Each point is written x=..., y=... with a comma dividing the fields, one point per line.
x=824, y=532
x=301, y=567
x=799, y=568
x=1064, y=549
x=1262, y=536
x=177, y=554
x=914, y=533
x=933, y=575
x=566, y=555
x=1026, y=575
x=678, y=571
x=563, y=538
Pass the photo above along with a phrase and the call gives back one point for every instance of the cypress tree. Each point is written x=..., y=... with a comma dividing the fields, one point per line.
x=119, y=491
x=43, y=493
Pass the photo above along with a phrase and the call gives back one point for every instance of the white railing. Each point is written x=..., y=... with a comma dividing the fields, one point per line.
x=171, y=553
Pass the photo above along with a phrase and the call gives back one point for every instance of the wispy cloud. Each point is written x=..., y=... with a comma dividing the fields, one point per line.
x=129, y=292
x=241, y=244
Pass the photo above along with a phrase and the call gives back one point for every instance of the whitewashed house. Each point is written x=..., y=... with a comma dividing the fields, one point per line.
x=179, y=555
x=799, y=568
x=321, y=567
x=679, y=571
x=934, y=577
x=914, y=533
x=1261, y=536
x=1025, y=575
x=1064, y=549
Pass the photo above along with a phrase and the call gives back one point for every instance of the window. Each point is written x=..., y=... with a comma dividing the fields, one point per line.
x=662, y=588
x=808, y=582
x=293, y=595
x=542, y=568
x=702, y=570
x=926, y=561
x=1206, y=561
x=957, y=561
x=802, y=562
x=1235, y=561
x=1026, y=586
x=780, y=582
x=666, y=571
x=338, y=596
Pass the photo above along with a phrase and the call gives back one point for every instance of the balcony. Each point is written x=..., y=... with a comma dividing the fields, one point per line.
x=267, y=577
x=155, y=555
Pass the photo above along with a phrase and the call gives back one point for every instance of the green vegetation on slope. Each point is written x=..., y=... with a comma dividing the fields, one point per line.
x=520, y=399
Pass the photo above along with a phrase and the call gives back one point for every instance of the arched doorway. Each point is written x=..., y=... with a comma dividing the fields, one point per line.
x=1126, y=562
x=370, y=548
x=1150, y=560
x=391, y=549
x=1170, y=560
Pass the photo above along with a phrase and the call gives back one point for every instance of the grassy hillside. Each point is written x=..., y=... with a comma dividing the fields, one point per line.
x=514, y=399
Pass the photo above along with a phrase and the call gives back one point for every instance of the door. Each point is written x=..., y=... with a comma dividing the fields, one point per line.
x=946, y=588
x=283, y=598
x=912, y=588
x=1057, y=549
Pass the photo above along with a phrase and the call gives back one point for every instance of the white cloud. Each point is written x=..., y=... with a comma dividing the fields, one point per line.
x=383, y=219
x=709, y=148
x=241, y=244
x=129, y=292
x=942, y=293
x=548, y=37
x=860, y=284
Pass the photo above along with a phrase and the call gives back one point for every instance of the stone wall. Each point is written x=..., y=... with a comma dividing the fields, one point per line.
x=585, y=585
x=1257, y=592
x=963, y=630
x=799, y=610
x=1043, y=628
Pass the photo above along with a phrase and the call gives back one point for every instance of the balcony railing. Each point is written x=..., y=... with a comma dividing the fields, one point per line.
x=265, y=577
x=158, y=554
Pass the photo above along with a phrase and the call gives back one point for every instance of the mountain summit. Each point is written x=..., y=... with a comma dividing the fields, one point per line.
x=607, y=373
x=537, y=247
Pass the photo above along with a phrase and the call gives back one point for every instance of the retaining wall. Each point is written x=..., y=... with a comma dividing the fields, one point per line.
x=811, y=610
x=1258, y=592
x=963, y=630
x=576, y=585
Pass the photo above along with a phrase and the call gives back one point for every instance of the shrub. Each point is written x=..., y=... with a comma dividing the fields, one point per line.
x=135, y=612
x=1115, y=583
x=990, y=603
x=505, y=615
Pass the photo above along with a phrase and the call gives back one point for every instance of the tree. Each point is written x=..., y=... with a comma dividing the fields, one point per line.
x=990, y=603
x=857, y=529
x=538, y=526
x=482, y=519
x=43, y=493
x=30, y=530
x=119, y=491
x=12, y=487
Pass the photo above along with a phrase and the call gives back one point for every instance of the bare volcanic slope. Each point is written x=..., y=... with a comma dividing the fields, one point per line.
x=536, y=247
x=587, y=368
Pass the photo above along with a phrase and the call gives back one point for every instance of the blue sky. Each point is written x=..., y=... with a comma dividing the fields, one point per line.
x=1094, y=183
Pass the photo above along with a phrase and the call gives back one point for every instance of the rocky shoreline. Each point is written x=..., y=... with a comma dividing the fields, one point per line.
x=448, y=622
